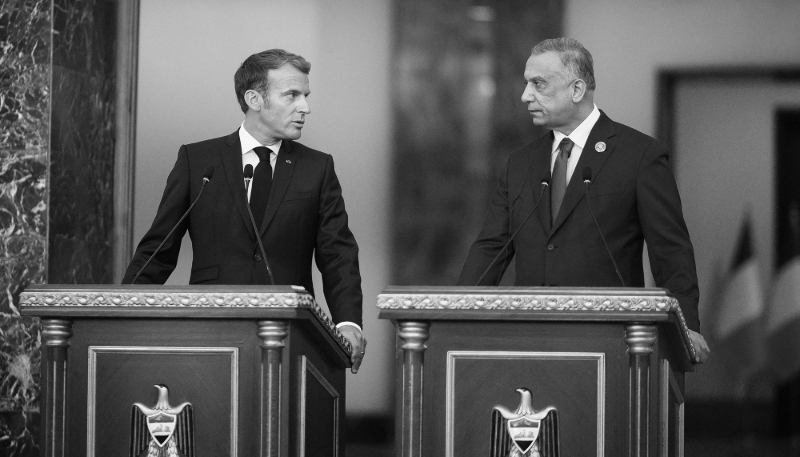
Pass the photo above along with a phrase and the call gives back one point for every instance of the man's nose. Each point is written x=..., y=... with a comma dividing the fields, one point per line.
x=304, y=107
x=527, y=95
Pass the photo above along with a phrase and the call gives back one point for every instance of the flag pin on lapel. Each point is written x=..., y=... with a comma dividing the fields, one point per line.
x=288, y=161
x=600, y=146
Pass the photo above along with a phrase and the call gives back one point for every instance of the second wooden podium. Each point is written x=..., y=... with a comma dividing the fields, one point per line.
x=205, y=371
x=535, y=372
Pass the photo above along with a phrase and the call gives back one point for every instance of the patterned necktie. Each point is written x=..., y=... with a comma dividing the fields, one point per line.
x=262, y=182
x=558, y=181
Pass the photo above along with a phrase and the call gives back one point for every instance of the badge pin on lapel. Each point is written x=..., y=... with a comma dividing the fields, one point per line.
x=599, y=146
x=288, y=161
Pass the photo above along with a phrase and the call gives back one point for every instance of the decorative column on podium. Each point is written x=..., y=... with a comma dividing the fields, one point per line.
x=413, y=336
x=584, y=366
x=272, y=334
x=640, y=339
x=55, y=335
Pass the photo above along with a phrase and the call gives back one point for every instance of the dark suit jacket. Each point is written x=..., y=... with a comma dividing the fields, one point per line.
x=305, y=217
x=634, y=197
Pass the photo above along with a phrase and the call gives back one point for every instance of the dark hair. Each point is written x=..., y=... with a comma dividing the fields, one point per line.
x=576, y=58
x=252, y=74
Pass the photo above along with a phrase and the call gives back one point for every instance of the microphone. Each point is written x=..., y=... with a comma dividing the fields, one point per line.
x=207, y=175
x=248, y=177
x=587, y=179
x=545, y=183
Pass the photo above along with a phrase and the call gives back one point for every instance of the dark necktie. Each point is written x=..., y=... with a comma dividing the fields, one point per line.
x=558, y=181
x=262, y=182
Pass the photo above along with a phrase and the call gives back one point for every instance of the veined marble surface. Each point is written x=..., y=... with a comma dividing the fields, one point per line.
x=25, y=71
x=56, y=176
x=80, y=231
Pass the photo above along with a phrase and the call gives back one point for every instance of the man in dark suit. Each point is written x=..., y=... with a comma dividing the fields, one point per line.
x=633, y=195
x=295, y=198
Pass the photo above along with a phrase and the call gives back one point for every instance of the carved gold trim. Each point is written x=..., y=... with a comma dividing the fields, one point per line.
x=453, y=356
x=91, y=397
x=272, y=333
x=56, y=332
x=151, y=298
x=529, y=301
x=539, y=299
x=414, y=334
x=640, y=338
x=307, y=367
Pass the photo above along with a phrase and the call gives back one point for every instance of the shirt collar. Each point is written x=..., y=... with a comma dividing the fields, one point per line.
x=249, y=143
x=581, y=133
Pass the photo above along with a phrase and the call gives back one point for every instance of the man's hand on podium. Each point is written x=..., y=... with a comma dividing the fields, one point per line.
x=700, y=346
x=357, y=342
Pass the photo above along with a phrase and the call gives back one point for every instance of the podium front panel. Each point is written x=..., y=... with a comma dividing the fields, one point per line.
x=109, y=378
x=476, y=370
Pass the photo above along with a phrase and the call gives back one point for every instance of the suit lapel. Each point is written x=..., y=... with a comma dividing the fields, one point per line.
x=540, y=164
x=232, y=163
x=593, y=157
x=284, y=168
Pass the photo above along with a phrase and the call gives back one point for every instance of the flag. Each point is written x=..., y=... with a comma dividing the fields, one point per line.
x=783, y=316
x=739, y=329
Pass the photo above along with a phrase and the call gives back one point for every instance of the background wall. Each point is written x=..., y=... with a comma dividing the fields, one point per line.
x=631, y=40
x=725, y=176
x=189, y=51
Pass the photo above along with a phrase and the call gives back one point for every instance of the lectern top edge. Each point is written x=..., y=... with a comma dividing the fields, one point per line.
x=566, y=303
x=156, y=301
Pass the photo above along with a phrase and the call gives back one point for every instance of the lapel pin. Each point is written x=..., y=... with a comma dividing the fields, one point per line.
x=288, y=161
x=600, y=146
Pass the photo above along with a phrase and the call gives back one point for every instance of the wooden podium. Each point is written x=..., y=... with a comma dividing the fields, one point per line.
x=610, y=363
x=262, y=369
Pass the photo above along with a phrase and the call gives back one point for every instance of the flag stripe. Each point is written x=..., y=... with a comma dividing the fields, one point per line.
x=785, y=303
x=741, y=300
x=743, y=351
x=784, y=350
x=744, y=250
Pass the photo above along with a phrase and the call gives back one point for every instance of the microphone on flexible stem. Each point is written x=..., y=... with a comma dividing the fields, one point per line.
x=248, y=176
x=207, y=175
x=587, y=179
x=545, y=183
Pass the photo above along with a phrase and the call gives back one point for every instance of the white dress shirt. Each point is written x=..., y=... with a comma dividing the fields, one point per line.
x=579, y=137
x=249, y=156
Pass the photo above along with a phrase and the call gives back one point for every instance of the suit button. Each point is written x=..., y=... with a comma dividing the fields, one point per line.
x=257, y=257
x=551, y=246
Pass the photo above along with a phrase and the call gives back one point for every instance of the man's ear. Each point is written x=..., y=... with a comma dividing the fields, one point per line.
x=254, y=100
x=578, y=90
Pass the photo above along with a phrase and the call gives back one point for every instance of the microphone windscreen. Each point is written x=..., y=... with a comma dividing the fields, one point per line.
x=248, y=171
x=587, y=174
x=546, y=177
x=209, y=172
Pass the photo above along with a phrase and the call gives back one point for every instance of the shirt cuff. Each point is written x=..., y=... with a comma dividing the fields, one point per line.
x=341, y=324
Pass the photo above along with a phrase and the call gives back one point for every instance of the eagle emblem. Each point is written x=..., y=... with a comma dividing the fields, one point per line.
x=524, y=432
x=163, y=430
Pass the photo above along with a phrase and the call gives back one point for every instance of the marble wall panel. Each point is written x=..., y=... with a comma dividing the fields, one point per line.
x=25, y=72
x=56, y=176
x=80, y=233
x=458, y=68
x=24, y=137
